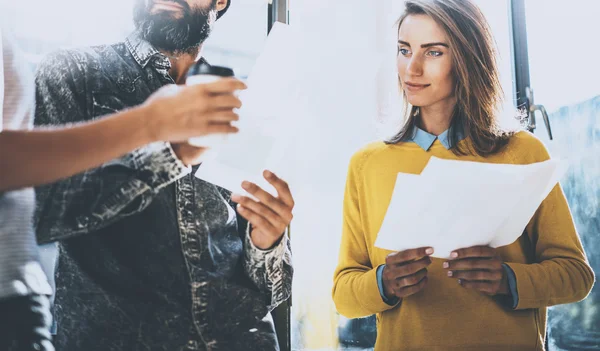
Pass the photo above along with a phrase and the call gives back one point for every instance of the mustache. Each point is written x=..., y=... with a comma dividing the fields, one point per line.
x=182, y=3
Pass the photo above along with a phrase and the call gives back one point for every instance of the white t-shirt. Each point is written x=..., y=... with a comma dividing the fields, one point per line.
x=20, y=271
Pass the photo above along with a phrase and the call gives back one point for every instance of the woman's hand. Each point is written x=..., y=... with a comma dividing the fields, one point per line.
x=479, y=268
x=405, y=272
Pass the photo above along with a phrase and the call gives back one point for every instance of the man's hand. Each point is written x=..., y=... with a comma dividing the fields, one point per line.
x=479, y=268
x=188, y=154
x=405, y=272
x=176, y=113
x=269, y=216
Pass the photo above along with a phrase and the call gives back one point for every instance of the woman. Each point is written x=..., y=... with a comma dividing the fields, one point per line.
x=482, y=298
x=29, y=158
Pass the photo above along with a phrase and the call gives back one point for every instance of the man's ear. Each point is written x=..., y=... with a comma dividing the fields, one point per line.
x=222, y=4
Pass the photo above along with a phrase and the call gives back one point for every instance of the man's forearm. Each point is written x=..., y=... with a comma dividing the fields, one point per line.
x=30, y=158
x=270, y=270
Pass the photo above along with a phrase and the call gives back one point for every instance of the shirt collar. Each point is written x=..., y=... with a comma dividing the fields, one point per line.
x=142, y=51
x=425, y=139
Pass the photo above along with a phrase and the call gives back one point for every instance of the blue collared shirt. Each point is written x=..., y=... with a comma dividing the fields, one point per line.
x=425, y=140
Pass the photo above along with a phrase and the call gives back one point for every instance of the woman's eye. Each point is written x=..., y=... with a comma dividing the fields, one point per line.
x=435, y=53
x=403, y=51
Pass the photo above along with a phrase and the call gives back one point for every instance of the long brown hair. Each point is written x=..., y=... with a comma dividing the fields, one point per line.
x=478, y=90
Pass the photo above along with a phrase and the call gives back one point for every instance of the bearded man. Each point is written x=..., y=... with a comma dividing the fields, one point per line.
x=152, y=258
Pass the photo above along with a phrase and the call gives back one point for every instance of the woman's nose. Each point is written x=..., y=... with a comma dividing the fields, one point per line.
x=414, y=67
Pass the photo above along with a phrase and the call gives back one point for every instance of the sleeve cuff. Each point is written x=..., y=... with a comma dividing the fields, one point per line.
x=512, y=285
x=370, y=296
x=391, y=302
x=160, y=164
x=259, y=254
x=270, y=270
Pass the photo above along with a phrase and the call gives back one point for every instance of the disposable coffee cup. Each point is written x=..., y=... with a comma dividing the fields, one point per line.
x=202, y=73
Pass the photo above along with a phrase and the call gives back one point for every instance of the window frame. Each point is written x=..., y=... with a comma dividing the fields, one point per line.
x=278, y=11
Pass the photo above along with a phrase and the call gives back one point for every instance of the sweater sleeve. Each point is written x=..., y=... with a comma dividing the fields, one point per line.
x=560, y=273
x=355, y=291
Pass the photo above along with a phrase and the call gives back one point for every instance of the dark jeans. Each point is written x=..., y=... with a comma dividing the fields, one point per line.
x=25, y=324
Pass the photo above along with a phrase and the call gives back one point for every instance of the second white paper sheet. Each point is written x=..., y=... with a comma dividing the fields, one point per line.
x=458, y=204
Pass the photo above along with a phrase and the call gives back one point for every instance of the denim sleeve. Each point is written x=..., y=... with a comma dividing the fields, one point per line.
x=390, y=302
x=98, y=197
x=270, y=270
x=512, y=285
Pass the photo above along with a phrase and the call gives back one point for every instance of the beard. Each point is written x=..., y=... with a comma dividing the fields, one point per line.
x=171, y=34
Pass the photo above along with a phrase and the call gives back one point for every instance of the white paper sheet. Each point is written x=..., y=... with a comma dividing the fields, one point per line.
x=458, y=204
x=299, y=79
x=264, y=122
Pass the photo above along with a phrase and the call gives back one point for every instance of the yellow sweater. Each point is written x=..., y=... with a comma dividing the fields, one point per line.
x=548, y=261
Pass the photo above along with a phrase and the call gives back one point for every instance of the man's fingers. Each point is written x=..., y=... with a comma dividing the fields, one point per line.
x=257, y=220
x=220, y=128
x=218, y=116
x=224, y=102
x=223, y=86
x=275, y=204
x=478, y=275
x=408, y=255
x=282, y=187
x=260, y=209
x=399, y=271
x=473, y=264
x=475, y=251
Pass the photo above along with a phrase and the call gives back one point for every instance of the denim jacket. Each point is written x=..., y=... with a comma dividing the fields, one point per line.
x=151, y=258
